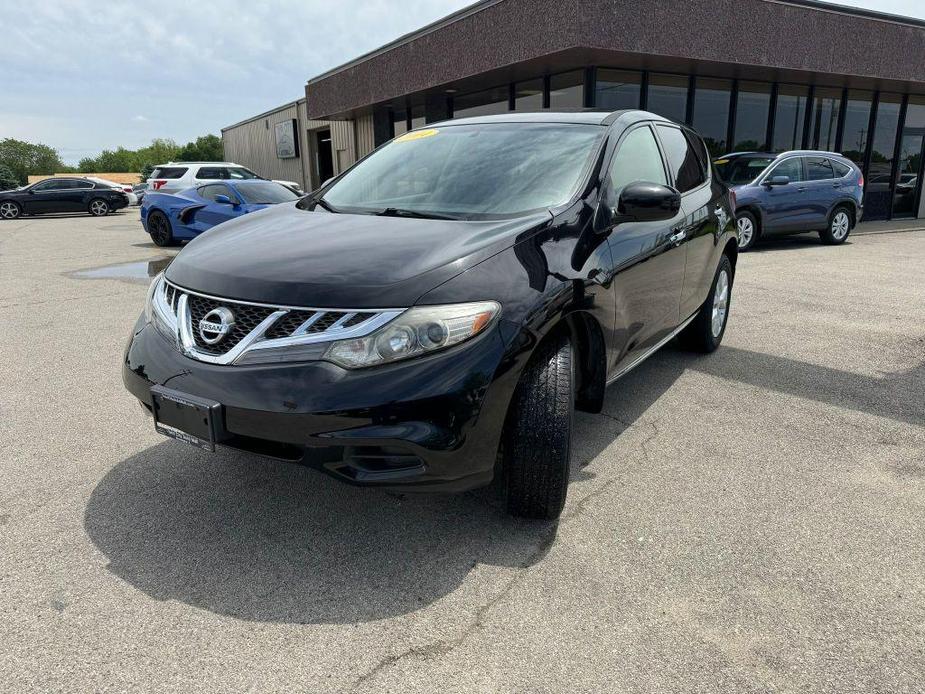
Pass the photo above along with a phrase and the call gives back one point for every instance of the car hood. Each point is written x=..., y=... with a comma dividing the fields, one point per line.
x=288, y=256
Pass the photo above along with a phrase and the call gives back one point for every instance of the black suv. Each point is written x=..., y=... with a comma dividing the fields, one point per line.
x=452, y=296
x=62, y=195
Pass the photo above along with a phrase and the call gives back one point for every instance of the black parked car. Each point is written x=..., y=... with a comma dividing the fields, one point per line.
x=453, y=296
x=62, y=195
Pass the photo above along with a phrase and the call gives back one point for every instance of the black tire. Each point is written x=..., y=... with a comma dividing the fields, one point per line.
x=10, y=210
x=98, y=207
x=749, y=219
x=700, y=335
x=159, y=228
x=536, y=443
x=841, y=221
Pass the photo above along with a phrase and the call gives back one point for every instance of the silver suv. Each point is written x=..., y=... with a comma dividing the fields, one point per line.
x=180, y=175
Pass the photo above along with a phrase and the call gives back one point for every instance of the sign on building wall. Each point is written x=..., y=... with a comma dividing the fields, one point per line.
x=287, y=140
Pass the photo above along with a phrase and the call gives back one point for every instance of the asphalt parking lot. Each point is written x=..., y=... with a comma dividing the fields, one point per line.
x=749, y=521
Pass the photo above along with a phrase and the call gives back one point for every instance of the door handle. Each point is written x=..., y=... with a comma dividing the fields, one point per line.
x=677, y=237
x=801, y=189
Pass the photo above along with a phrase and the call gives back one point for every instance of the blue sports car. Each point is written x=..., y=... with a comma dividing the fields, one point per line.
x=182, y=216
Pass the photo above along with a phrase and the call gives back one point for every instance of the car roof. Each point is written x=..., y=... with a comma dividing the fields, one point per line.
x=190, y=163
x=776, y=155
x=578, y=116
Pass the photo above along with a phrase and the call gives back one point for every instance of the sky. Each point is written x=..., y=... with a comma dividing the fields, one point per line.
x=83, y=76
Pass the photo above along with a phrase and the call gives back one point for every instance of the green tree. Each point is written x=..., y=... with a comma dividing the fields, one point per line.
x=205, y=148
x=25, y=158
x=87, y=165
x=7, y=178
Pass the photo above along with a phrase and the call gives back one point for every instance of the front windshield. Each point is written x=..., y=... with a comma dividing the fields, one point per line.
x=471, y=171
x=737, y=171
x=268, y=193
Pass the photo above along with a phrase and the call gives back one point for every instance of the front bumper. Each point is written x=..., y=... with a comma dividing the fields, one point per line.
x=432, y=423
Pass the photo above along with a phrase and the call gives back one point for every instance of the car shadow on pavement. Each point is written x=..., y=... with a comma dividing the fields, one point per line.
x=261, y=540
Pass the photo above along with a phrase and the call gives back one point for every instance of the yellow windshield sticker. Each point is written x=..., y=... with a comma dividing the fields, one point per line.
x=417, y=135
x=719, y=162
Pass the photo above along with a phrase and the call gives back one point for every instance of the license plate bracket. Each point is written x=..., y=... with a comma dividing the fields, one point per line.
x=185, y=417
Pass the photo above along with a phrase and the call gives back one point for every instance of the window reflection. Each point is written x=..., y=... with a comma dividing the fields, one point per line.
x=618, y=89
x=567, y=90
x=667, y=96
x=908, y=181
x=399, y=122
x=790, y=117
x=879, y=176
x=826, y=107
x=711, y=113
x=857, y=123
x=528, y=96
x=754, y=105
x=484, y=103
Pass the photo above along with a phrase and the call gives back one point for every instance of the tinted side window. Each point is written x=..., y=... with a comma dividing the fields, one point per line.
x=686, y=169
x=214, y=190
x=789, y=167
x=170, y=172
x=208, y=172
x=637, y=159
x=841, y=169
x=819, y=169
x=50, y=184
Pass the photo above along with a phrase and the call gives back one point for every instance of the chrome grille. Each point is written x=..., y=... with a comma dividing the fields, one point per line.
x=246, y=318
x=257, y=327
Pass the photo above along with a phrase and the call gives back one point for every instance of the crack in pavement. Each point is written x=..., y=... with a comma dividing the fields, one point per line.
x=442, y=647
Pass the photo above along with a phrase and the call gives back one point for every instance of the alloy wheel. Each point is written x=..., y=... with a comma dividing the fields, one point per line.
x=840, y=225
x=746, y=231
x=9, y=210
x=99, y=208
x=720, y=303
x=158, y=229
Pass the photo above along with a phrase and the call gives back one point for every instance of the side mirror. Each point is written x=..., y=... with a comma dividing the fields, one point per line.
x=778, y=181
x=647, y=202
x=224, y=200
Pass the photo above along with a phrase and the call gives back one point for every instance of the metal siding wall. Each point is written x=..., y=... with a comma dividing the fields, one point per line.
x=253, y=145
x=366, y=139
x=343, y=142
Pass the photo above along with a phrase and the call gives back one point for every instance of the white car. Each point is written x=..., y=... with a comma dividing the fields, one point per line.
x=124, y=187
x=180, y=175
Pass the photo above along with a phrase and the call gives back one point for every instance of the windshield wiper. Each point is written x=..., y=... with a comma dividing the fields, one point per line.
x=325, y=204
x=399, y=212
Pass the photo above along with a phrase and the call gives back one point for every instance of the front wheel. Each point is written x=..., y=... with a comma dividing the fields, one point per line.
x=159, y=228
x=706, y=331
x=536, y=444
x=98, y=207
x=9, y=210
x=839, y=227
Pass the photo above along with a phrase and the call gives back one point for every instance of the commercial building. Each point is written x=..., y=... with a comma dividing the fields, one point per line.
x=747, y=74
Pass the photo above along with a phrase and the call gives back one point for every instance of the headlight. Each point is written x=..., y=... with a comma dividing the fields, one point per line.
x=416, y=332
x=159, y=311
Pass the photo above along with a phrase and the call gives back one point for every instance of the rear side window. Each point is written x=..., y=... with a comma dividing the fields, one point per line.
x=210, y=172
x=169, y=172
x=792, y=168
x=637, y=159
x=239, y=173
x=840, y=169
x=686, y=168
x=819, y=169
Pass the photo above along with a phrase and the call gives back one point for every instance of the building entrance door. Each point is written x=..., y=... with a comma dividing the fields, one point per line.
x=907, y=193
x=324, y=156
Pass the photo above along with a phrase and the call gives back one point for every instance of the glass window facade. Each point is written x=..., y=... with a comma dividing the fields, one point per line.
x=790, y=117
x=567, y=90
x=879, y=176
x=824, y=124
x=857, y=124
x=618, y=89
x=752, y=110
x=484, y=103
x=711, y=113
x=667, y=96
x=735, y=115
x=528, y=96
